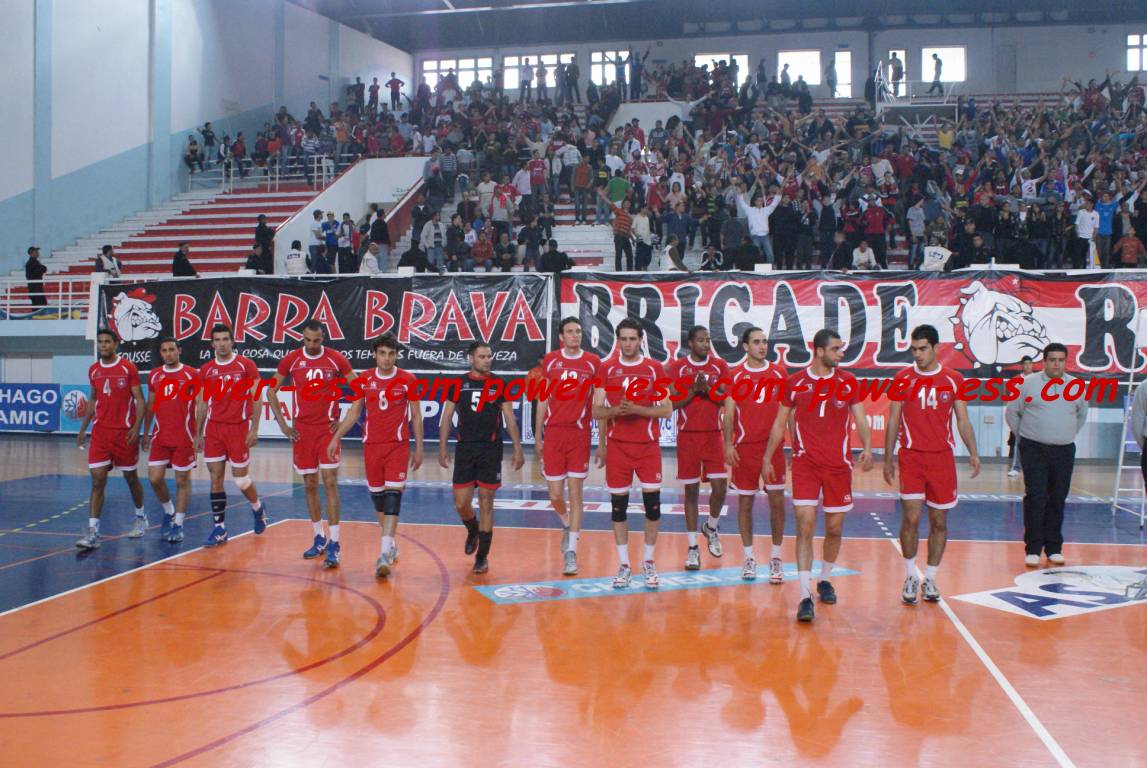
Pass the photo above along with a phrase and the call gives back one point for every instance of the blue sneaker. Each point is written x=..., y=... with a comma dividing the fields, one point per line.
x=165, y=527
x=217, y=538
x=260, y=518
x=332, y=559
x=316, y=549
x=174, y=534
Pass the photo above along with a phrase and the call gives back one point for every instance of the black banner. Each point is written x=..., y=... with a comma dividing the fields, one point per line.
x=434, y=317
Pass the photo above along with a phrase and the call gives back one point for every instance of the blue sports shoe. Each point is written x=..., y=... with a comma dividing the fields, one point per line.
x=316, y=549
x=260, y=518
x=165, y=527
x=332, y=560
x=217, y=538
x=174, y=534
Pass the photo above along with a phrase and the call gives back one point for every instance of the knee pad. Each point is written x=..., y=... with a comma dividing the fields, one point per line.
x=243, y=483
x=652, y=501
x=619, y=506
x=218, y=503
x=391, y=502
x=376, y=498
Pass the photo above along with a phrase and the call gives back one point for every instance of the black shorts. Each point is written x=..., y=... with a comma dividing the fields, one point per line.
x=478, y=464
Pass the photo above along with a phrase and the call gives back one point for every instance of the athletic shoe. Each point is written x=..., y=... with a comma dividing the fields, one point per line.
x=931, y=591
x=165, y=526
x=776, y=571
x=385, y=564
x=91, y=540
x=1013, y=473
x=570, y=566
x=260, y=518
x=1032, y=561
x=1057, y=558
x=623, y=577
x=217, y=538
x=749, y=572
x=471, y=537
x=332, y=558
x=138, y=528
x=319, y=547
x=911, y=587
x=693, y=559
x=714, y=540
x=174, y=534
x=826, y=592
x=481, y=566
x=805, y=611
x=649, y=571
x=565, y=539
x=394, y=552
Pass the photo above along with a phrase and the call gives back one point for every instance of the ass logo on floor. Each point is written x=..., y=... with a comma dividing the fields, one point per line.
x=1057, y=593
x=602, y=586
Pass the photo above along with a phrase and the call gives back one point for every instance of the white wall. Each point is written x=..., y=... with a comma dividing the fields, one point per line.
x=16, y=93
x=99, y=80
x=365, y=57
x=307, y=58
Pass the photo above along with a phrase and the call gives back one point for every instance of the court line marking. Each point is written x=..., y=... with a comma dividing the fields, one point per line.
x=1017, y=700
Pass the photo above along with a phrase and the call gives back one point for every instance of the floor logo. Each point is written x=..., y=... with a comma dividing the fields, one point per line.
x=572, y=589
x=1056, y=593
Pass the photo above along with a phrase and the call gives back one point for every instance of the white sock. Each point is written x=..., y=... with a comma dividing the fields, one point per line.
x=805, y=578
x=649, y=551
x=334, y=533
x=94, y=522
x=256, y=505
x=826, y=570
x=930, y=571
x=574, y=536
x=748, y=552
x=179, y=518
x=318, y=527
x=909, y=566
x=775, y=552
x=692, y=538
x=565, y=520
x=714, y=523
x=387, y=545
x=221, y=526
x=168, y=508
x=623, y=553
x=141, y=512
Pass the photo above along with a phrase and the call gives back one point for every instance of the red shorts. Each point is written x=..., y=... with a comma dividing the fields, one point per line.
x=748, y=475
x=226, y=442
x=181, y=458
x=700, y=456
x=386, y=465
x=832, y=486
x=565, y=453
x=309, y=452
x=624, y=460
x=110, y=448
x=929, y=476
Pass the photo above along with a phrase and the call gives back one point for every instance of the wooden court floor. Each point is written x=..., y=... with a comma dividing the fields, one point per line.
x=251, y=656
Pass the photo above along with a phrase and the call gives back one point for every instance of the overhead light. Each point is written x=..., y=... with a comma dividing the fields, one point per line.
x=1029, y=17
x=894, y=21
x=994, y=18
x=961, y=18
x=849, y=21
x=719, y=26
x=1060, y=15
x=782, y=24
x=929, y=18
x=750, y=25
x=814, y=23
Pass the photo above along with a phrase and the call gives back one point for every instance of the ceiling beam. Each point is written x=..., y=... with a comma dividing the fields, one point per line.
x=450, y=10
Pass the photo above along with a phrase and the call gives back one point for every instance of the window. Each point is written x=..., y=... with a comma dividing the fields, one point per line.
x=602, y=71
x=842, y=61
x=953, y=59
x=801, y=63
x=1137, y=53
x=740, y=59
x=466, y=70
x=511, y=65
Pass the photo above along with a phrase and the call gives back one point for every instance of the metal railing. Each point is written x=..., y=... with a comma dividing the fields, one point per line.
x=64, y=297
x=226, y=177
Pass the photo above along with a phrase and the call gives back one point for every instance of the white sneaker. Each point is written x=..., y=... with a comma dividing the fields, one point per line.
x=911, y=587
x=1013, y=473
x=749, y=572
x=649, y=571
x=91, y=540
x=623, y=577
x=1032, y=561
x=693, y=559
x=776, y=571
x=1057, y=558
x=138, y=528
x=931, y=591
x=569, y=568
x=714, y=540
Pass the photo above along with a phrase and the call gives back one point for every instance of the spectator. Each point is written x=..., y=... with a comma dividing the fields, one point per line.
x=296, y=260
x=643, y=237
x=346, y=250
x=896, y=72
x=554, y=261
x=395, y=86
x=108, y=263
x=937, y=66
x=671, y=257
x=317, y=234
x=432, y=242
x=255, y=259
x=34, y=271
x=622, y=233
x=265, y=236
x=370, y=263
x=482, y=252
x=321, y=264
x=863, y=257
x=209, y=149
x=193, y=155
x=505, y=252
x=181, y=262
x=712, y=259
x=1131, y=251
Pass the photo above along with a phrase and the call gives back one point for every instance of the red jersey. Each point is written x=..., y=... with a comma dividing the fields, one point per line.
x=702, y=413
x=386, y=400
x=302, y=369
x=756, y=410
x=822, y=424
x=926, y=414
x=537, y=169
x=220, y=379
x=617, y=379
x=570, y=409
x=111, y=386
x=174, y=417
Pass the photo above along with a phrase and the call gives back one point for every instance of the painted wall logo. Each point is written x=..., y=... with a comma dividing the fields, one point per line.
x=1056, y=593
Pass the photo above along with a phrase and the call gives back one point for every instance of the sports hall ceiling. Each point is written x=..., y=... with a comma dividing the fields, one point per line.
x=417, y=25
